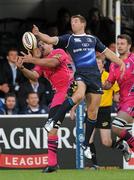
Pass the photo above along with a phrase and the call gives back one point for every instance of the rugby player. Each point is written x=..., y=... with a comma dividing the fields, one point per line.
x=55, y=65
x=104, y=118
x=125, y=114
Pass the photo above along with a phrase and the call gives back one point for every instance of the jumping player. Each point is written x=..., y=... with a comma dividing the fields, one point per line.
x=55, y=65
x=82, y=49
x=125, y=114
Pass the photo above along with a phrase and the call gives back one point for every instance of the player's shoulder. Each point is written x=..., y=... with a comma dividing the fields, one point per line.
x=92, y=38
x=65, y=36
x=114, y=65
x=105, y=73
x=58, y=51
x=131, y=56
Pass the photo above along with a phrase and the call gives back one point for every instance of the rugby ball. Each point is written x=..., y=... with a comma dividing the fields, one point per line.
x=29, y=41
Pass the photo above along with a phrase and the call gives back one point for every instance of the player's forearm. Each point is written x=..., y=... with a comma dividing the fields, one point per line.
x=113, y=57
x=47, y=62
x=47, y=39
x=29, y=74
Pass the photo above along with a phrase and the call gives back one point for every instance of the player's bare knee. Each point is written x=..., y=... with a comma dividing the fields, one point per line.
x=92, y=114
x=77, y=98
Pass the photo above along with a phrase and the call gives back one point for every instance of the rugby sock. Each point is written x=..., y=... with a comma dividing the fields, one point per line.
x=52, y=150
x=118, y=145
x=64, y=108
x=90, y=125
x=93, y=151
x=125, y=135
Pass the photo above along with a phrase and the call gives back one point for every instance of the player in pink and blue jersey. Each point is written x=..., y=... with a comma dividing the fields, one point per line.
x=125, y=114
x=55, y=65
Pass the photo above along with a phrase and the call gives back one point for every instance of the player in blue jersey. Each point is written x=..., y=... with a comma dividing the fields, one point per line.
x=81, y=47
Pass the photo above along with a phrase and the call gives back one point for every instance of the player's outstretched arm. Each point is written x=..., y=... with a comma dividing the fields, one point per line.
x=33, y=75
x=47, y=62
x=114, y=58
x=27, y=73
x=44, y=37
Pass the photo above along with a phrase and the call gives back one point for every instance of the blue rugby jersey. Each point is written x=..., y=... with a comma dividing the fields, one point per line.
x=82, y=50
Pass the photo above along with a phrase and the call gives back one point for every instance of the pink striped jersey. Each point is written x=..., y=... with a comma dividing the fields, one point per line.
x=125, y=82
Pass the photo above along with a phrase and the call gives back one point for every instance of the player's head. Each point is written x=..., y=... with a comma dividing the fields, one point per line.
x=45, y=48
x=12, y=55
x=10, y=101
x=124, y=43
x=78, y=23
x=33, y=99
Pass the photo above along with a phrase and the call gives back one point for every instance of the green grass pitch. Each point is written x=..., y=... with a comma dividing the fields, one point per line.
x=67, y=175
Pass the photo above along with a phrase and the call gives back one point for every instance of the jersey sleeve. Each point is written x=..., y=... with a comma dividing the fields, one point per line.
x=63, y=40
x=99, y=46
x=132, y=60
x=115, y=87
x=111, y=77
x=38, y=69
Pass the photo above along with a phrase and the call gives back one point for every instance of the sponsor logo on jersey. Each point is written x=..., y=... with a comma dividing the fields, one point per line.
x=85, y=44
x=104, y=124
x=78, y=79
x=77, y=39
x=127, y=65
x=89, y=40
x=100, y=90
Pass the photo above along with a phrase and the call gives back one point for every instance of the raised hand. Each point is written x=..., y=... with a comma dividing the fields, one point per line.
x=35, y=30
x=19, y=62
x=27, y=58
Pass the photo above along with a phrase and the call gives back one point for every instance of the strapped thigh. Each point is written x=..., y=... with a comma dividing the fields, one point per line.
x=119, y=122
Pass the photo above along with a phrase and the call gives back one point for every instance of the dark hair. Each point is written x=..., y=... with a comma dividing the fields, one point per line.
x=10, y=95
x=32, y=92
x=125, y=36
x=81, y=18
x=11, y=49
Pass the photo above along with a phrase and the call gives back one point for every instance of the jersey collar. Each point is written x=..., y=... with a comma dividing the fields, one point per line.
x=79, y=34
